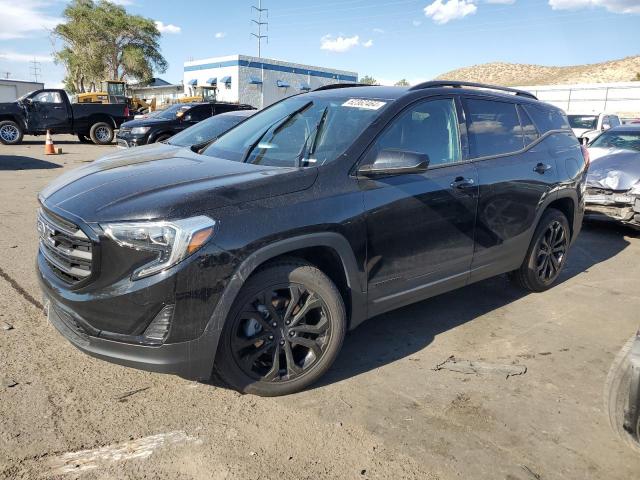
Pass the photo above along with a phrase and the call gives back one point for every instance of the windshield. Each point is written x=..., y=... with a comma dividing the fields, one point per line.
x=170, y=112
x=25, y=95
x=589, y=122
x=622, y=140
x=299, y=131
x=206, y=130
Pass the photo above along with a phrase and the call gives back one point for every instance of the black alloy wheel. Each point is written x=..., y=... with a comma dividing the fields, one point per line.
x=552, y=249
x=547, y=253
x=283, y=332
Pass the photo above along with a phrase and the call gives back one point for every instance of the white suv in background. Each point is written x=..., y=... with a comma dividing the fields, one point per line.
x=587, y=126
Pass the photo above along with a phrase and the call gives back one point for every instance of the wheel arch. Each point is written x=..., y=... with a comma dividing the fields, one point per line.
x=14, y=118
x=101, y=117
x=329, y=251
x=567, y=206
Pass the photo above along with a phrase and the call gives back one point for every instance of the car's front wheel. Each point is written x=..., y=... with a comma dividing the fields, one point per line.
x=10, y=133
x=547, y=253
x=283, y=332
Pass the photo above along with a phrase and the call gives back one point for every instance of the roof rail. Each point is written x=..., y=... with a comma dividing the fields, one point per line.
x=333, y=86
x=458, y=84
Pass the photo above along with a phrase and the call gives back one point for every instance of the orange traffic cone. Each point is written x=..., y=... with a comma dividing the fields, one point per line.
x=49, y=149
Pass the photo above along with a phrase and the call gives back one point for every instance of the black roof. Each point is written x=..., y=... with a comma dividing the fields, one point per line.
x=629, y=127
x=393, y=93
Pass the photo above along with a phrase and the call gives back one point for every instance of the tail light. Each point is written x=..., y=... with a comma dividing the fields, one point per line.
x=126, y=110
x=585, y=154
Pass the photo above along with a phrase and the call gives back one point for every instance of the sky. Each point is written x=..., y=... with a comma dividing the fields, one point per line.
x=387, y=39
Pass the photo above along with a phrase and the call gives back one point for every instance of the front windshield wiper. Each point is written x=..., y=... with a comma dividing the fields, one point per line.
x=276, y=127
x=315, y=134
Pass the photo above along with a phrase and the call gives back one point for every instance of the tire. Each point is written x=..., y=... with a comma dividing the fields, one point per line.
x=290, y=356
x=101, y=133
x=10, y=133
x=616, y=397
x=84, y=138
x=162, y=138
x=534, y=274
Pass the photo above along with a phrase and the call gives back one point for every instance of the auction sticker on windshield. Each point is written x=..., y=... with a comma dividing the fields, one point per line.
x=364, y=103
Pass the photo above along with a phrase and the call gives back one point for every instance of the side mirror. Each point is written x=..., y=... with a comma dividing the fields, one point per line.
x=395, y=162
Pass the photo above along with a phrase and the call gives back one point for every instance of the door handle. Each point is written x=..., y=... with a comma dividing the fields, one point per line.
x=461, y=183
x=541, y=168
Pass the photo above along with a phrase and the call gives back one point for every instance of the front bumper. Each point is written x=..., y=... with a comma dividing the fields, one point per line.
x=627, y=213
x=130, y=141
x=108, y=320
x=192, y=359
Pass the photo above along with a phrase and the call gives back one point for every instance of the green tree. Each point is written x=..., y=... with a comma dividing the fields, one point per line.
x=637, y=79
x=367, y=80
x=402, y=83
x=101, y=41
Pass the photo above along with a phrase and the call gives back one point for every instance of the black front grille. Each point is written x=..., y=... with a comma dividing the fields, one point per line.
x=65, y=247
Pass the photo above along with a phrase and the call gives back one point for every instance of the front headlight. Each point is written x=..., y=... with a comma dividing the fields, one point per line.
x=172, y=241
x=139, y=130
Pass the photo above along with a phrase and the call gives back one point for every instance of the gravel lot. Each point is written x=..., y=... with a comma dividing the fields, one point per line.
x=383, y=411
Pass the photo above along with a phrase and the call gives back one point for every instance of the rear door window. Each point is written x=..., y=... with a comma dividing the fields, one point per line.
x=493, y=127
x=547, y=119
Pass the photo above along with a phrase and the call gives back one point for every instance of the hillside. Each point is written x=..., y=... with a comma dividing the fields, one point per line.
x=500, y=73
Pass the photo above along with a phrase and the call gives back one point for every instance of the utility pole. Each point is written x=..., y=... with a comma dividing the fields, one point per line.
x=35, y=69
x=260, y=23
x=6, y=75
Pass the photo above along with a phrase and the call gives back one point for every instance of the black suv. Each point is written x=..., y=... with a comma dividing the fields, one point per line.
x=252, y=259
x=162, y=124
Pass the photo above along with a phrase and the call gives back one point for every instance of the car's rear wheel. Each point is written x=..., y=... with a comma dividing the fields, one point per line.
x=101, y=133
x=547, y=253
x=283, y=332
x=10, y=133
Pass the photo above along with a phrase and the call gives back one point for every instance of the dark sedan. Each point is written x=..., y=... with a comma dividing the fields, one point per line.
x=163, y=124
x=195, y=137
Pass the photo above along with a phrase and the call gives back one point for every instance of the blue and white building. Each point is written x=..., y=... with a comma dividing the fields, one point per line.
x=258, y=81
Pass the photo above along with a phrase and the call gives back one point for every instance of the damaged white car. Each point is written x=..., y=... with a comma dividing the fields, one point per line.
x=613, y=182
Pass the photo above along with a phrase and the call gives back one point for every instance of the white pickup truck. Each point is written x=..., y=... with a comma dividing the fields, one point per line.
x=588, y=126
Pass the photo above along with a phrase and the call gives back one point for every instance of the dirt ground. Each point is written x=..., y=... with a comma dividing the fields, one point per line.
x=383, y=411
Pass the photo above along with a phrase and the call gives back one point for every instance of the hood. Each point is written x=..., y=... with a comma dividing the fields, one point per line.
x=149, y=152
x=166, y=183
x=581, y=131
x=9, y=107
x=146, y=122
x=615, y=170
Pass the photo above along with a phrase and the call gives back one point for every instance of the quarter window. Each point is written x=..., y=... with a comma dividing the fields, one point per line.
x=493, y=128
x=548, y=118
x=528, y=128
x=430, y=127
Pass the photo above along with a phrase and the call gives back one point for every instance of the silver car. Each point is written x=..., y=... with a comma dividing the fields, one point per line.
x=613, y=182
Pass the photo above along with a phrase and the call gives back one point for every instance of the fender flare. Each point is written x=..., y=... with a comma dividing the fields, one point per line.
x=19, y=119
x=331, y=240
x=154, y=135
